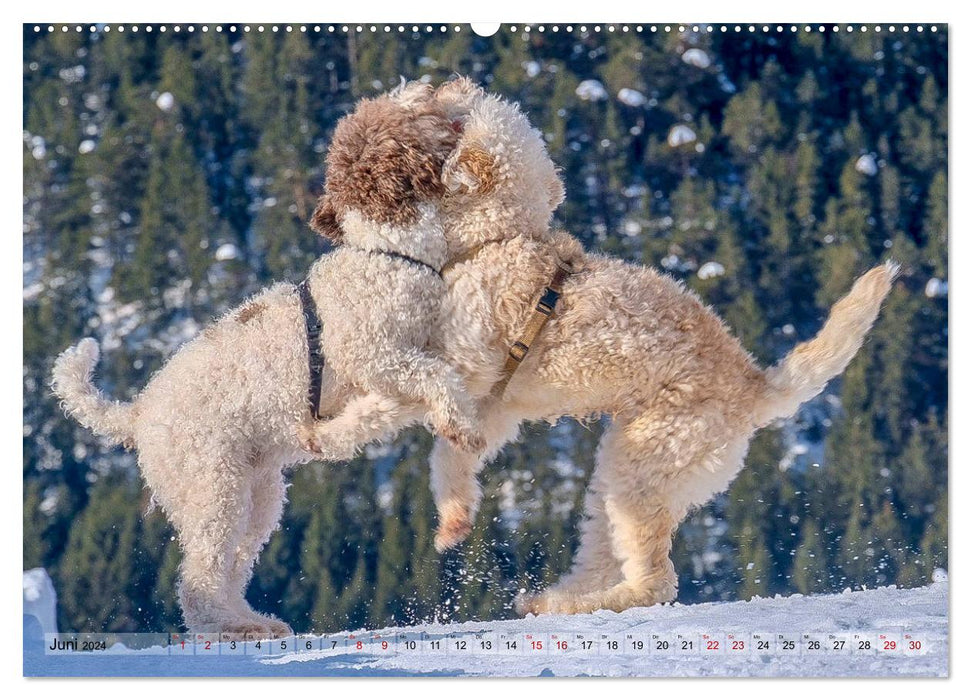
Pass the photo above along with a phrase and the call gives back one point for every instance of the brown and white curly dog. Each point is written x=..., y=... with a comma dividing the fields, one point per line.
x=381, y=203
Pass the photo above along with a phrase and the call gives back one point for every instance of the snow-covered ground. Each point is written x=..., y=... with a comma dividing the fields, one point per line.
x=829, y=636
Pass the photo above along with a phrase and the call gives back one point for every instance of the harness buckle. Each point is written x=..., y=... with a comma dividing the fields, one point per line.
x=547, y=302
x=518, y=351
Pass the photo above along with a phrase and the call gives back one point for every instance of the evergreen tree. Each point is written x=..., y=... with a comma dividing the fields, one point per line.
x=168, y=176
x=809, y=568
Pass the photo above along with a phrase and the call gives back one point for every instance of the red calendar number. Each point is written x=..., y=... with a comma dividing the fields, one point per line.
x=712, y=645
x=561, y=645
x=360, y=645
x=914, y=645
x=890, y=645
x=738, y=645
x=537, y=644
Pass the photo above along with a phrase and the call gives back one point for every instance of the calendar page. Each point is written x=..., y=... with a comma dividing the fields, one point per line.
x=422, y=349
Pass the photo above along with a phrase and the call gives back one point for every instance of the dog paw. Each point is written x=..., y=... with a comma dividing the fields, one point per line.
x=315, y=440
x=530, y=603
x=255, y=629
x=451, y=532
x=463, y=440
x=307, y=437
x=278, y=628
x=553, y=601
x=565, y=601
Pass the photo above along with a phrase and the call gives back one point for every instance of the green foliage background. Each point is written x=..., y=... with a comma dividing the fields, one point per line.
x=144, y=218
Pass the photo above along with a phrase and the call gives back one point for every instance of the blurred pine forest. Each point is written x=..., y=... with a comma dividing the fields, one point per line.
x=168, y=175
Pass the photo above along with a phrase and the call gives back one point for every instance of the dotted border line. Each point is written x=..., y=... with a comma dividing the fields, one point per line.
x=444, y=28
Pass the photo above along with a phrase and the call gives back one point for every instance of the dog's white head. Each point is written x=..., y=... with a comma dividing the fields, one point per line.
x=499, y=180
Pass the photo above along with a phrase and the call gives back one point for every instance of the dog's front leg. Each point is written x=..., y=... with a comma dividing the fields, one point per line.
x=363, y=419
x=454, y=476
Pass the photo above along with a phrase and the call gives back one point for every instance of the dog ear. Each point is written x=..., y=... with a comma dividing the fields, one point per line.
x=324, y=221
x=470, y=168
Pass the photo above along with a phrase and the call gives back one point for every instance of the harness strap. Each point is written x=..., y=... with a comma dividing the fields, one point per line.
x=315, y=357
x=542, y=311
x=470, y=254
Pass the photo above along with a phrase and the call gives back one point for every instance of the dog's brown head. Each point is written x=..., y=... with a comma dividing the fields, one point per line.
x=385, y=159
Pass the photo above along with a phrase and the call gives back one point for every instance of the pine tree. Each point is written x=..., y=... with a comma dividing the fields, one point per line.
x=96, y=576
x=810, y=568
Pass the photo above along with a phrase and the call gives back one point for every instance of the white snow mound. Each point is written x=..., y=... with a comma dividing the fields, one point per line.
x=631, y=97
x=867, y=165
x=863, y=633
x=165, y=102
x=681, y=135
x=591, y=90
x=696, y=58
x=40, y=600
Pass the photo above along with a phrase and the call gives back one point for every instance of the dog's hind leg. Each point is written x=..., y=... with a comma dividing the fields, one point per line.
x=454, y=477
x=595, y=567
x=207, y=497
x=651, y=471
x=267, y=497
x=209, y=511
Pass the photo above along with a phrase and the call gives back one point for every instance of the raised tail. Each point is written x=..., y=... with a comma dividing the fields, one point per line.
x=71, y=382
x=805, y=371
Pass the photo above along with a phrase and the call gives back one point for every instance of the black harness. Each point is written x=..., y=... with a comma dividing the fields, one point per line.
x=406, y=258
x=311, y=318
x=314, y=356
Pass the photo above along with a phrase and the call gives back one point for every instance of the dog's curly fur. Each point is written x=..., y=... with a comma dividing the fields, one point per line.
x=384, y=160
x=216, y=426
x=683, y=396
x=384, y=185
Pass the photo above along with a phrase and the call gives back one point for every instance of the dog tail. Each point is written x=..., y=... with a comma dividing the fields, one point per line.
x=71, y=382
x=805, y=371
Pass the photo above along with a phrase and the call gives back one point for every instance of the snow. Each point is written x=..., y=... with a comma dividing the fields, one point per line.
x=632, y=228
x=32, y=291
x=850, y=616
x=711, y=269
x=38, y=147
x=631, y=97
x=227, y=251
x=591, y=90
x=165, y=102
x=74, y=74
x=867, y=165
x=696, y=58
x=935, y=288
x=86, y=146
x=680, y=135
x=533, y=68
x=40, y=601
